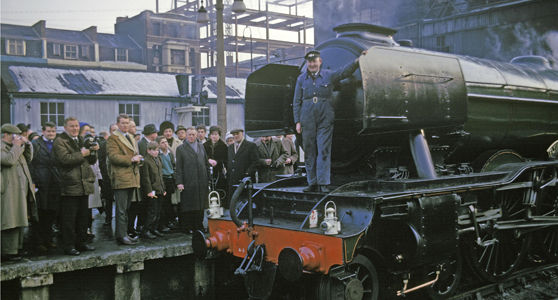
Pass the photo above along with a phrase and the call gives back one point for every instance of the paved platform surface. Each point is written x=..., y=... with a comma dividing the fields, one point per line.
x=107, y=252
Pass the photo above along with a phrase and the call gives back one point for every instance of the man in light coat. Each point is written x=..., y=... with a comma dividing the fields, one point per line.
x=125, y=161
x=272, y=158
x=291, y=153
x=18, y=192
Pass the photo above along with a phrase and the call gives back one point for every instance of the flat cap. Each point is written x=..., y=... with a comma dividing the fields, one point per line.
x=149, y=129
x=236, y=130
x=10, y=128
x=180, y=127
x=312, y=54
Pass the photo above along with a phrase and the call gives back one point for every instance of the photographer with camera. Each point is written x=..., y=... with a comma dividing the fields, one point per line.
x=125, y=161
x=77, y=180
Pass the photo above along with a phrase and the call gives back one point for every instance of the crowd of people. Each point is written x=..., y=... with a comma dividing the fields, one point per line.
x=158, y=181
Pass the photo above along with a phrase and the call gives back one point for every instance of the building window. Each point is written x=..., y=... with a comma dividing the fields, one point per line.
x=177, y=57
x=156, y=29
x=70, y=52
x=173, y=30
x=84, y=51
x=15, y=47
x=201, y=117
x=132, y=110
x=121, y=54
x=52, y=112
x=56, y=49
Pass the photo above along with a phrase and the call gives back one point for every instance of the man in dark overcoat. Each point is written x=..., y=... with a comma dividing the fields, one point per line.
x=272, y=158
x=77, y=182
x=192, y=177
x=46, y=177
x=243, y=160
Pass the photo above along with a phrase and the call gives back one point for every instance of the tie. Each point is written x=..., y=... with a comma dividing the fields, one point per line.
x=236, y=147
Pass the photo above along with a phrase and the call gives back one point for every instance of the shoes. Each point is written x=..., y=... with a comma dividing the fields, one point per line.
x=10, y=257
x=325, y=189
x=157, y=233
x=40, y=249
x=50, y=245
x=107, y=223
x=125, y=241
x=149, y=235
x=311, y=188
x=133, y=238
x=166, y=229
x=21, y=252
x=85, y=247
x=72, y=251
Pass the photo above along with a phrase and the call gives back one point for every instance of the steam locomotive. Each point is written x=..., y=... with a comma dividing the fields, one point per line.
x=437, y=160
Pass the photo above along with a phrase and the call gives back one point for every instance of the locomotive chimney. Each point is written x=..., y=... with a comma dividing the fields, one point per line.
x=368, y=32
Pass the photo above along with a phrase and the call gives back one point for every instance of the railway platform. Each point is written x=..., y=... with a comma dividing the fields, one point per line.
x=161, y=268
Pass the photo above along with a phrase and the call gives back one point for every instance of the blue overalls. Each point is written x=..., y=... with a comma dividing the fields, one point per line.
x=313, y=109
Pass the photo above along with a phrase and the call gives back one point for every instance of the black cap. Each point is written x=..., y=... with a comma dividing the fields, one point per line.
x=23, y=127
x=312, y=54
x=149, y=129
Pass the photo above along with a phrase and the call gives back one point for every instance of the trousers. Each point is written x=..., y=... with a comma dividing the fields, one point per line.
x=317, y=133
x=123, y=199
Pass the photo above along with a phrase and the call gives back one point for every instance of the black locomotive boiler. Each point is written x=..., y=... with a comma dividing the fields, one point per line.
x=438, y=160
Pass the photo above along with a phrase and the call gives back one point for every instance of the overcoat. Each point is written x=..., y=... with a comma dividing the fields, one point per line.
x=174, y=143
x=95, y=198
x=123, y=172
x=15, y=206
x=152, y=176
x=45, y=175
x=192, y=170
x=243, y=163
x=219, y=153
x=277, y=153
x=292, y=154
x=76, y=176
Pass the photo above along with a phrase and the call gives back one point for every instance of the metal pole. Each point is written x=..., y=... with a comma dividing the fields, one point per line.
x=251, y=61
x=221, y=95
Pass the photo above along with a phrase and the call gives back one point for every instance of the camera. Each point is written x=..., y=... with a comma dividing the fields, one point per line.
x=90, y=141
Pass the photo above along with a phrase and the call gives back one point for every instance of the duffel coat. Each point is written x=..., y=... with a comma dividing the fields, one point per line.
x=192, y=170
x=15, y=205
x=45, y=176
x=76, y=176
x=123, y=172
x=152, y=176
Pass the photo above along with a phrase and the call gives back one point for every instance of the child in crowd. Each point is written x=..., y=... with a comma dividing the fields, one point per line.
x=151, y=173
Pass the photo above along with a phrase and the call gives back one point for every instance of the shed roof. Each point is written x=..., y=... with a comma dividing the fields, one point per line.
x=63, y=81
x=18, y=31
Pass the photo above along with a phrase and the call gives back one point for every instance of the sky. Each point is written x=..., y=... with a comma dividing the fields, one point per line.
x=82, y=14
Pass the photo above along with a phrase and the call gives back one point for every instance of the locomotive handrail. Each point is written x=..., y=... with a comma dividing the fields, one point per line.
x=234, y=217
x=449, y=78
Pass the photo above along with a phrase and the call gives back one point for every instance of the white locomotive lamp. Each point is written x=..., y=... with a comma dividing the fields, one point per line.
x=330, y=223
x=215, y=211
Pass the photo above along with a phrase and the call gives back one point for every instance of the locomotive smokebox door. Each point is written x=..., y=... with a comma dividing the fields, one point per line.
x=406, y=89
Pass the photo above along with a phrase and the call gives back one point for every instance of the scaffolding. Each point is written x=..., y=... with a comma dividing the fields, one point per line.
x=265, y=18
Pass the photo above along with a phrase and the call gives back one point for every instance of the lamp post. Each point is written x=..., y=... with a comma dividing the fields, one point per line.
x=237, y=7
x=251, y=63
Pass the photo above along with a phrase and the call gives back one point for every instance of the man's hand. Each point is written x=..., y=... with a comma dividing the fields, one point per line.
x=24, y=139
x=136, y=158
x=363, y=53
x=180, y=187
x=212, y=162
x=268, y=161
x=288, y=161
x=17, y=141
x=85, y=152
x=151, y=195
x=95, y=148
x=298, y=128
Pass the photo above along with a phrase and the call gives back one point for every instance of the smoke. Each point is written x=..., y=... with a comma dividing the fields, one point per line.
x=506, y=42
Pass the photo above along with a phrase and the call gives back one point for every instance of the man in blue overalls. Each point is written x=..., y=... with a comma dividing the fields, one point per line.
x=314, y=115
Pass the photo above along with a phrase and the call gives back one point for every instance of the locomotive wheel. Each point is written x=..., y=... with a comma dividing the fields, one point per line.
x=547, y=238
x=448, y=281
x=490, y=160
x=498, y=259
x=362, y=284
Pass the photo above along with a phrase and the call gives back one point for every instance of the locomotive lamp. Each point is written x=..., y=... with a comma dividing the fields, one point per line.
x=215, y=210
x=330, y=223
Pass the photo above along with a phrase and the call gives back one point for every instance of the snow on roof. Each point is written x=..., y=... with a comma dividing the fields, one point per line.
x=93, y=82
x=106, y=82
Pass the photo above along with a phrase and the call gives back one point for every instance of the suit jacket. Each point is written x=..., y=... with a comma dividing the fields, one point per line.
x=277, y=153
x=292, y=154
x=123, y=173
x=77, y=177
x=45, y=175
x=192, y=170
x=142, y=147
x=243, y=163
